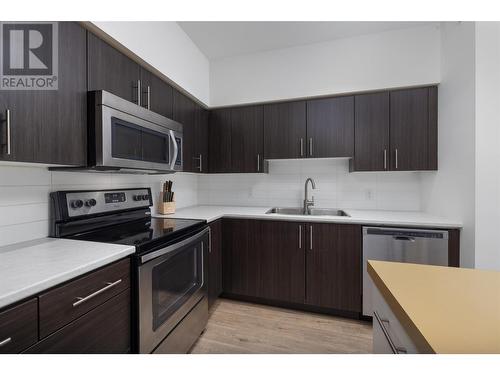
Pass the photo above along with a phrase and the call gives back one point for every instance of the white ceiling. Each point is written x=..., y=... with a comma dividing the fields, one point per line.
x=223, y=39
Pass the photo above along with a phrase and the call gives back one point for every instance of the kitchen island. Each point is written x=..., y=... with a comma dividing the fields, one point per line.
x=431, y=309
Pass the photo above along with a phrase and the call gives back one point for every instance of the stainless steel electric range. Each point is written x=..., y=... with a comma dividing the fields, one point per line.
x=170, y=293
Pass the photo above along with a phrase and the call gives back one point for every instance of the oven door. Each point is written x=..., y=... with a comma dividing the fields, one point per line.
x=171, y=282
x=127, y=141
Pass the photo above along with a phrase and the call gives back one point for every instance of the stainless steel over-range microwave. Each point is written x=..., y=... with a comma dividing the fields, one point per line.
x=124, y=136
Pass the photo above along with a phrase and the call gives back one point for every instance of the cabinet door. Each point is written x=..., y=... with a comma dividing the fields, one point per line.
x=247, y=148
x=285, y=130
x=220, y=141
x=103, y=330
x=371, y=129
x=330, y=127
x=264, y=259
x=215, y=262
x=111, y=70
x=410, y=131
x=184, y=112
x=156, y=94
x=50, y=126
x=201, y=140
x=334, y=266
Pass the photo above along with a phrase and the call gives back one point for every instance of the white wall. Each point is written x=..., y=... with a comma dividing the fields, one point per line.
x=24, y=195
x=487, y=145
x=390, y=59
x=335, y=187
x=450, y=192
x=166, y=47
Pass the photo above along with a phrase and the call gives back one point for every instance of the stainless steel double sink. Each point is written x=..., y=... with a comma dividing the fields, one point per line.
x=312, y=211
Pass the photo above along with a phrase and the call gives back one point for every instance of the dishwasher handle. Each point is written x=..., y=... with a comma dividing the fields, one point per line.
x=406, y=234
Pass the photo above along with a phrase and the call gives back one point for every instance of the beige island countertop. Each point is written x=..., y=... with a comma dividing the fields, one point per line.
x=443, y=309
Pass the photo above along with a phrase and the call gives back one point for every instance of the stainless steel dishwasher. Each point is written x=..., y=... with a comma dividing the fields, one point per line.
x=401, y=245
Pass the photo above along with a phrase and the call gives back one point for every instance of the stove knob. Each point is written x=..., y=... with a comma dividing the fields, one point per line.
x=145, y=197
x=78, y=203
x=91, y=203
x=137, y=197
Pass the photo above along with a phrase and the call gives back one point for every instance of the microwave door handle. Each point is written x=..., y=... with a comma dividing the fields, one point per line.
x=176, y=150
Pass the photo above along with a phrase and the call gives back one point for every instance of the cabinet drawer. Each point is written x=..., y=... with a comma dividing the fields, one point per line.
x=106, y=330
x=19, y=327
x=66, y=303
x=386, y=326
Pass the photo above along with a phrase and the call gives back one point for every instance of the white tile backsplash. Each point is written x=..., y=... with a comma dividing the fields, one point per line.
x=24, y=195
x=24, y=190
x=335, y=186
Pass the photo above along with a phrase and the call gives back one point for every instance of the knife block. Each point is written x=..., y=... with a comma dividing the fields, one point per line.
x=165, y=208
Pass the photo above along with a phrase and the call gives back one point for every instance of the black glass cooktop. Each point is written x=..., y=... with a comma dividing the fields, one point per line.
x=143, y=234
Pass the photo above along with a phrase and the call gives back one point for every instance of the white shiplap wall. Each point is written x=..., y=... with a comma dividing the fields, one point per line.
x=24, y=195
x=24, y=190
x=335, y=187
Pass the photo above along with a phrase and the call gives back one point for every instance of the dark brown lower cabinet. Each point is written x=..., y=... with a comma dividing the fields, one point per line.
x=334, y=266
x=313, y=265
x=264, y=259
x=19, y=327
x=215, y=262
x=104, y=330
x=89, y=314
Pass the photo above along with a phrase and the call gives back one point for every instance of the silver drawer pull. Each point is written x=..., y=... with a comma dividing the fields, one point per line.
x=90, y=296
x=395, y=349
x=5, y=342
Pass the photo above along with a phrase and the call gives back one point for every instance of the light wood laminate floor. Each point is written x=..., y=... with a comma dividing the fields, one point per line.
x=240, y=327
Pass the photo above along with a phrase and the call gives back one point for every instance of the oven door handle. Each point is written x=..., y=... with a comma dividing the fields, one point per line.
x=172, y=249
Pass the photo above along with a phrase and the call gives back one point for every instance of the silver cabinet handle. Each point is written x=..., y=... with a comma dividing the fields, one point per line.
x=300, y=236
x=395, y=349
x=201, y=162
x=139, y=92
x=5, y=342
x=310, y=147
x=7, y=120
x=149, y=97
x=310, y=237
x=96, y=293
x=385, y=159
x=396, y=158
x=258, y=162
x=301, y=146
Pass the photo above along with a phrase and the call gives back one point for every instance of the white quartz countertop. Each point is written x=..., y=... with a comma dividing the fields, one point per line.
x=30, y=267
x=368, y=217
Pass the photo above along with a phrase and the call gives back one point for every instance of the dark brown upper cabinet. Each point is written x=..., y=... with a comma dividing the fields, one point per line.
x=157, y=95
x=330, y=127
x=111, y=70
x=285, y=130
x=50, y=126
x=396, y=130
x=184, y=110
x=247, y=148
x=413, y=129
x=371, y=129
x=201, y=140
x=219, y=141
x=333, y=266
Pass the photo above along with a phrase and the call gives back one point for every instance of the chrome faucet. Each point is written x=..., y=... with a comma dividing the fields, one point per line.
x=308, y=203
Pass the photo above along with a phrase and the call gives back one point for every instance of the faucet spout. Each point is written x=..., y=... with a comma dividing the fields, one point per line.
x=308, y=203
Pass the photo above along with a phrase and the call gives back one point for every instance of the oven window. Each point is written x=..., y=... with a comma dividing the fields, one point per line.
x=175, y=281
x=155, y=147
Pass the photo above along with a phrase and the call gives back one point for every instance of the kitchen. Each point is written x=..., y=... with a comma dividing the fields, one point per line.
x=249, y=188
